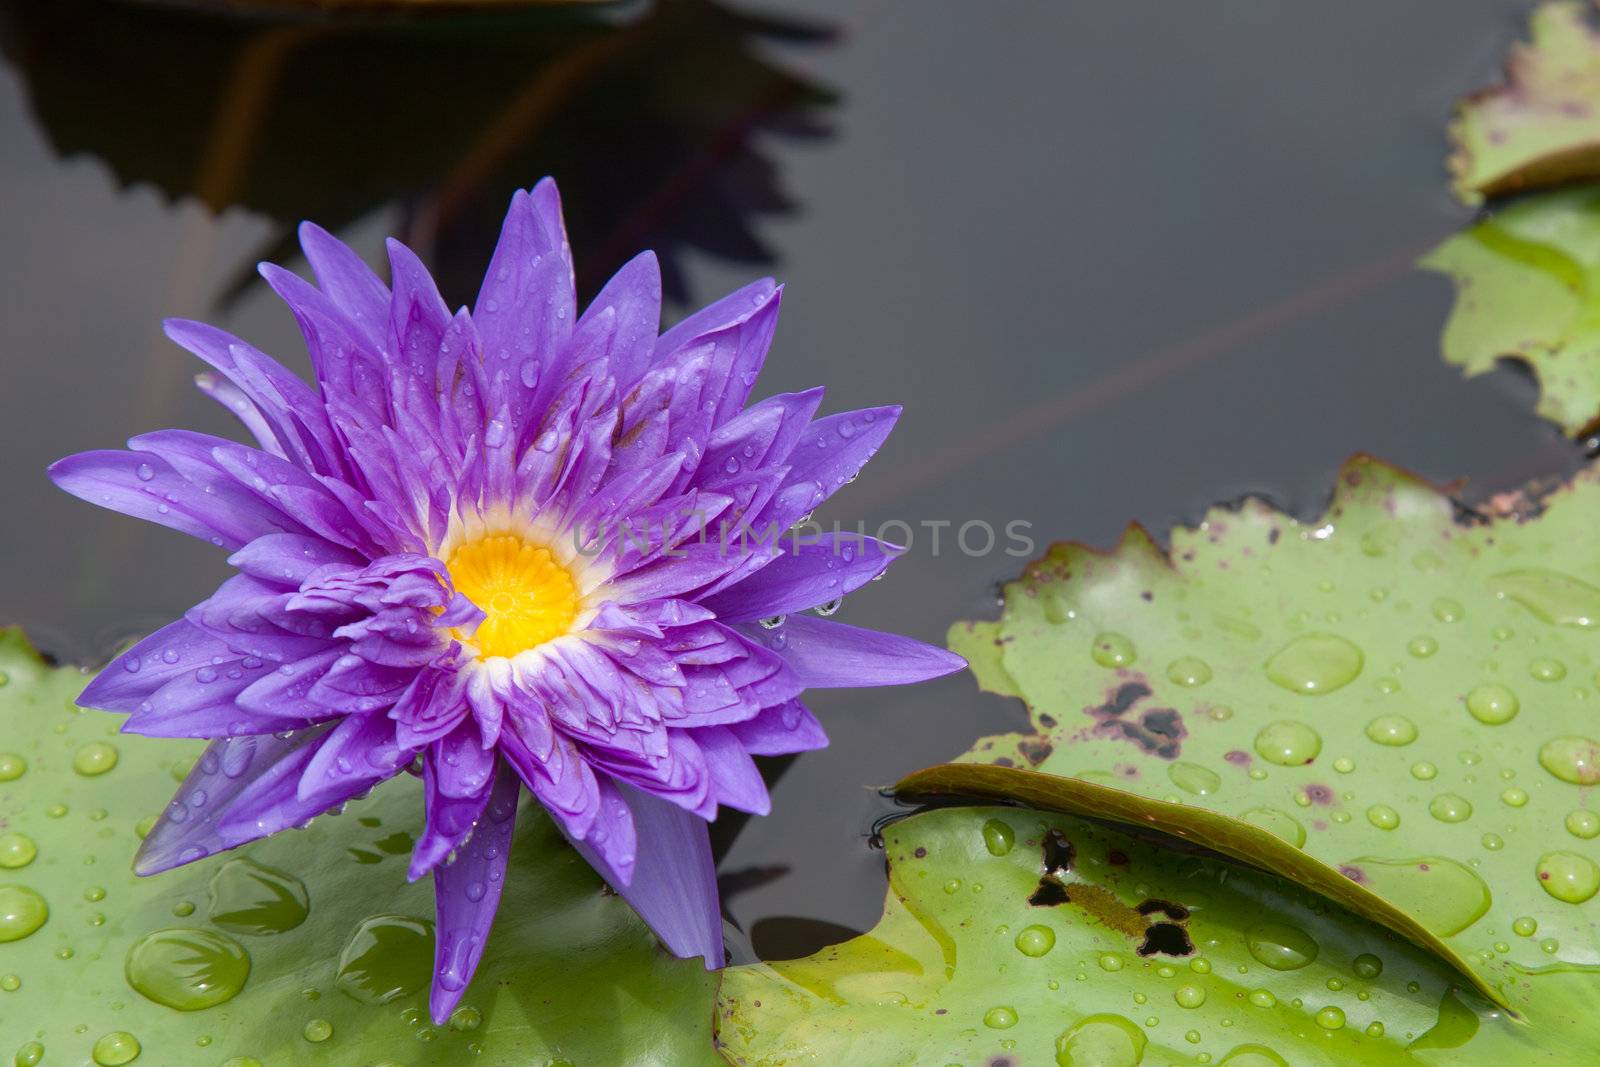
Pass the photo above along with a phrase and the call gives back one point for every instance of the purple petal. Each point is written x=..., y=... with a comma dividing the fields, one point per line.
x=130, y=679
x=633, y=295
x=466, y=894
x=289, y=558
x=188, y=829
x=462, y=765
x=239, y=404
x=448, y=821
x=831, y=655
x=734, y=777
x=418, y=316
x=349, y=282
x=804, y=577
x=781, y=730
x=731, y=310
x=357, y=754
x=271, y=802
x=526, y=307
x=147, y=487
x=674, y=882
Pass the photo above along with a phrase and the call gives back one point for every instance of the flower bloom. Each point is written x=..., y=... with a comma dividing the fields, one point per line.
x=478, y=549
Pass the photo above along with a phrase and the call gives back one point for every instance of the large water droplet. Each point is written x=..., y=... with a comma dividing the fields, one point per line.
x=1558, y=599
x=248, y=898
x=1288, y=743
x=1101, y=1041
x=1193, y=778
x=1572, y=759
x=1443, y=895
x=1393, y=730
x=1253, y=1056
x=1188, y=672
x=22, y=911
x=1278, y=823
x=1450, y=807
x=1113, y=650
x=1314, y=664
x=115, y=1049
x=1493, y=704
x=16, y=850
x=998, y=837
x=387, y=957
x=1280, y=946
x=1584, y=824
x=1568, y=876
x=97, y=757
x=1383, y=816
x=1189, y=996
x=12, y=766
x=187, y=969
x=1035, y=941
x=1000, y=1018
x=1367, y=966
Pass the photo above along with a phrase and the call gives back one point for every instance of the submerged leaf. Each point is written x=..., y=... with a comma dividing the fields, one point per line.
x=1012, y=937
x=1393, y=705
x=1542, y=127
x=306, y=947
x=1528, y=287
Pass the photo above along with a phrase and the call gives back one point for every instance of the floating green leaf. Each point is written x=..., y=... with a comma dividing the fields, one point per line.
x=1394, y=705
x=1542, y=127
x=1528, y=287
x=1014, y=937
x=306, y=947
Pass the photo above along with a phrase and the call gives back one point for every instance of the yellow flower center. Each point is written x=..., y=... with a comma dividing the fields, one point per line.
x=528, y=597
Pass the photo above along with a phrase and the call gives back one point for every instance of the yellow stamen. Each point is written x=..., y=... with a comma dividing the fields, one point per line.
x=528, y=596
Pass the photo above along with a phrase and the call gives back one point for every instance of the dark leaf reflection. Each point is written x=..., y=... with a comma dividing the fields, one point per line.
x=648, y=109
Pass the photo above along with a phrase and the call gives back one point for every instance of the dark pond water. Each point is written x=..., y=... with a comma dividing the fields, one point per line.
x=1119, y=260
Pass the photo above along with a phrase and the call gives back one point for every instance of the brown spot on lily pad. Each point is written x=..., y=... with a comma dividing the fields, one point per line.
x=1355, y=874
x=1157, y=731
x=1059, y=854
x=1035, y=749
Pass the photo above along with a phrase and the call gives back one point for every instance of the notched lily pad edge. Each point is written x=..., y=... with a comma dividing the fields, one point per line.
x=1470, y=181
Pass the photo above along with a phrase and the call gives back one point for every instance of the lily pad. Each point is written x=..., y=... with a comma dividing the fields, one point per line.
x=1528, y=288
x=1014, y=937
x=306, y=947
x=1395, y=704
x=1542, y=126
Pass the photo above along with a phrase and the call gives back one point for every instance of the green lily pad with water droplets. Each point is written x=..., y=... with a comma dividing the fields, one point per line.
x=1015, y=937
x=1395, y=705
x=308, y=947
x=1542, y=126
x=1528, y=288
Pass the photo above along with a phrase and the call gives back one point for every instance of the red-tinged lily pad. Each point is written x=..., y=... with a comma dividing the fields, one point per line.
x=1541, y=127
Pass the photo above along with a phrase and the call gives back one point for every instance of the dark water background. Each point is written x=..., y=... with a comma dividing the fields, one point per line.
x=1119, y=259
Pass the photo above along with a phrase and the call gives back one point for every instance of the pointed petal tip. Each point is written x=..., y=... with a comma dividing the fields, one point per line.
x=442, y=1001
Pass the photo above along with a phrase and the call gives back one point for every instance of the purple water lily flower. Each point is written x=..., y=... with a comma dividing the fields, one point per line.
x=513, y=547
